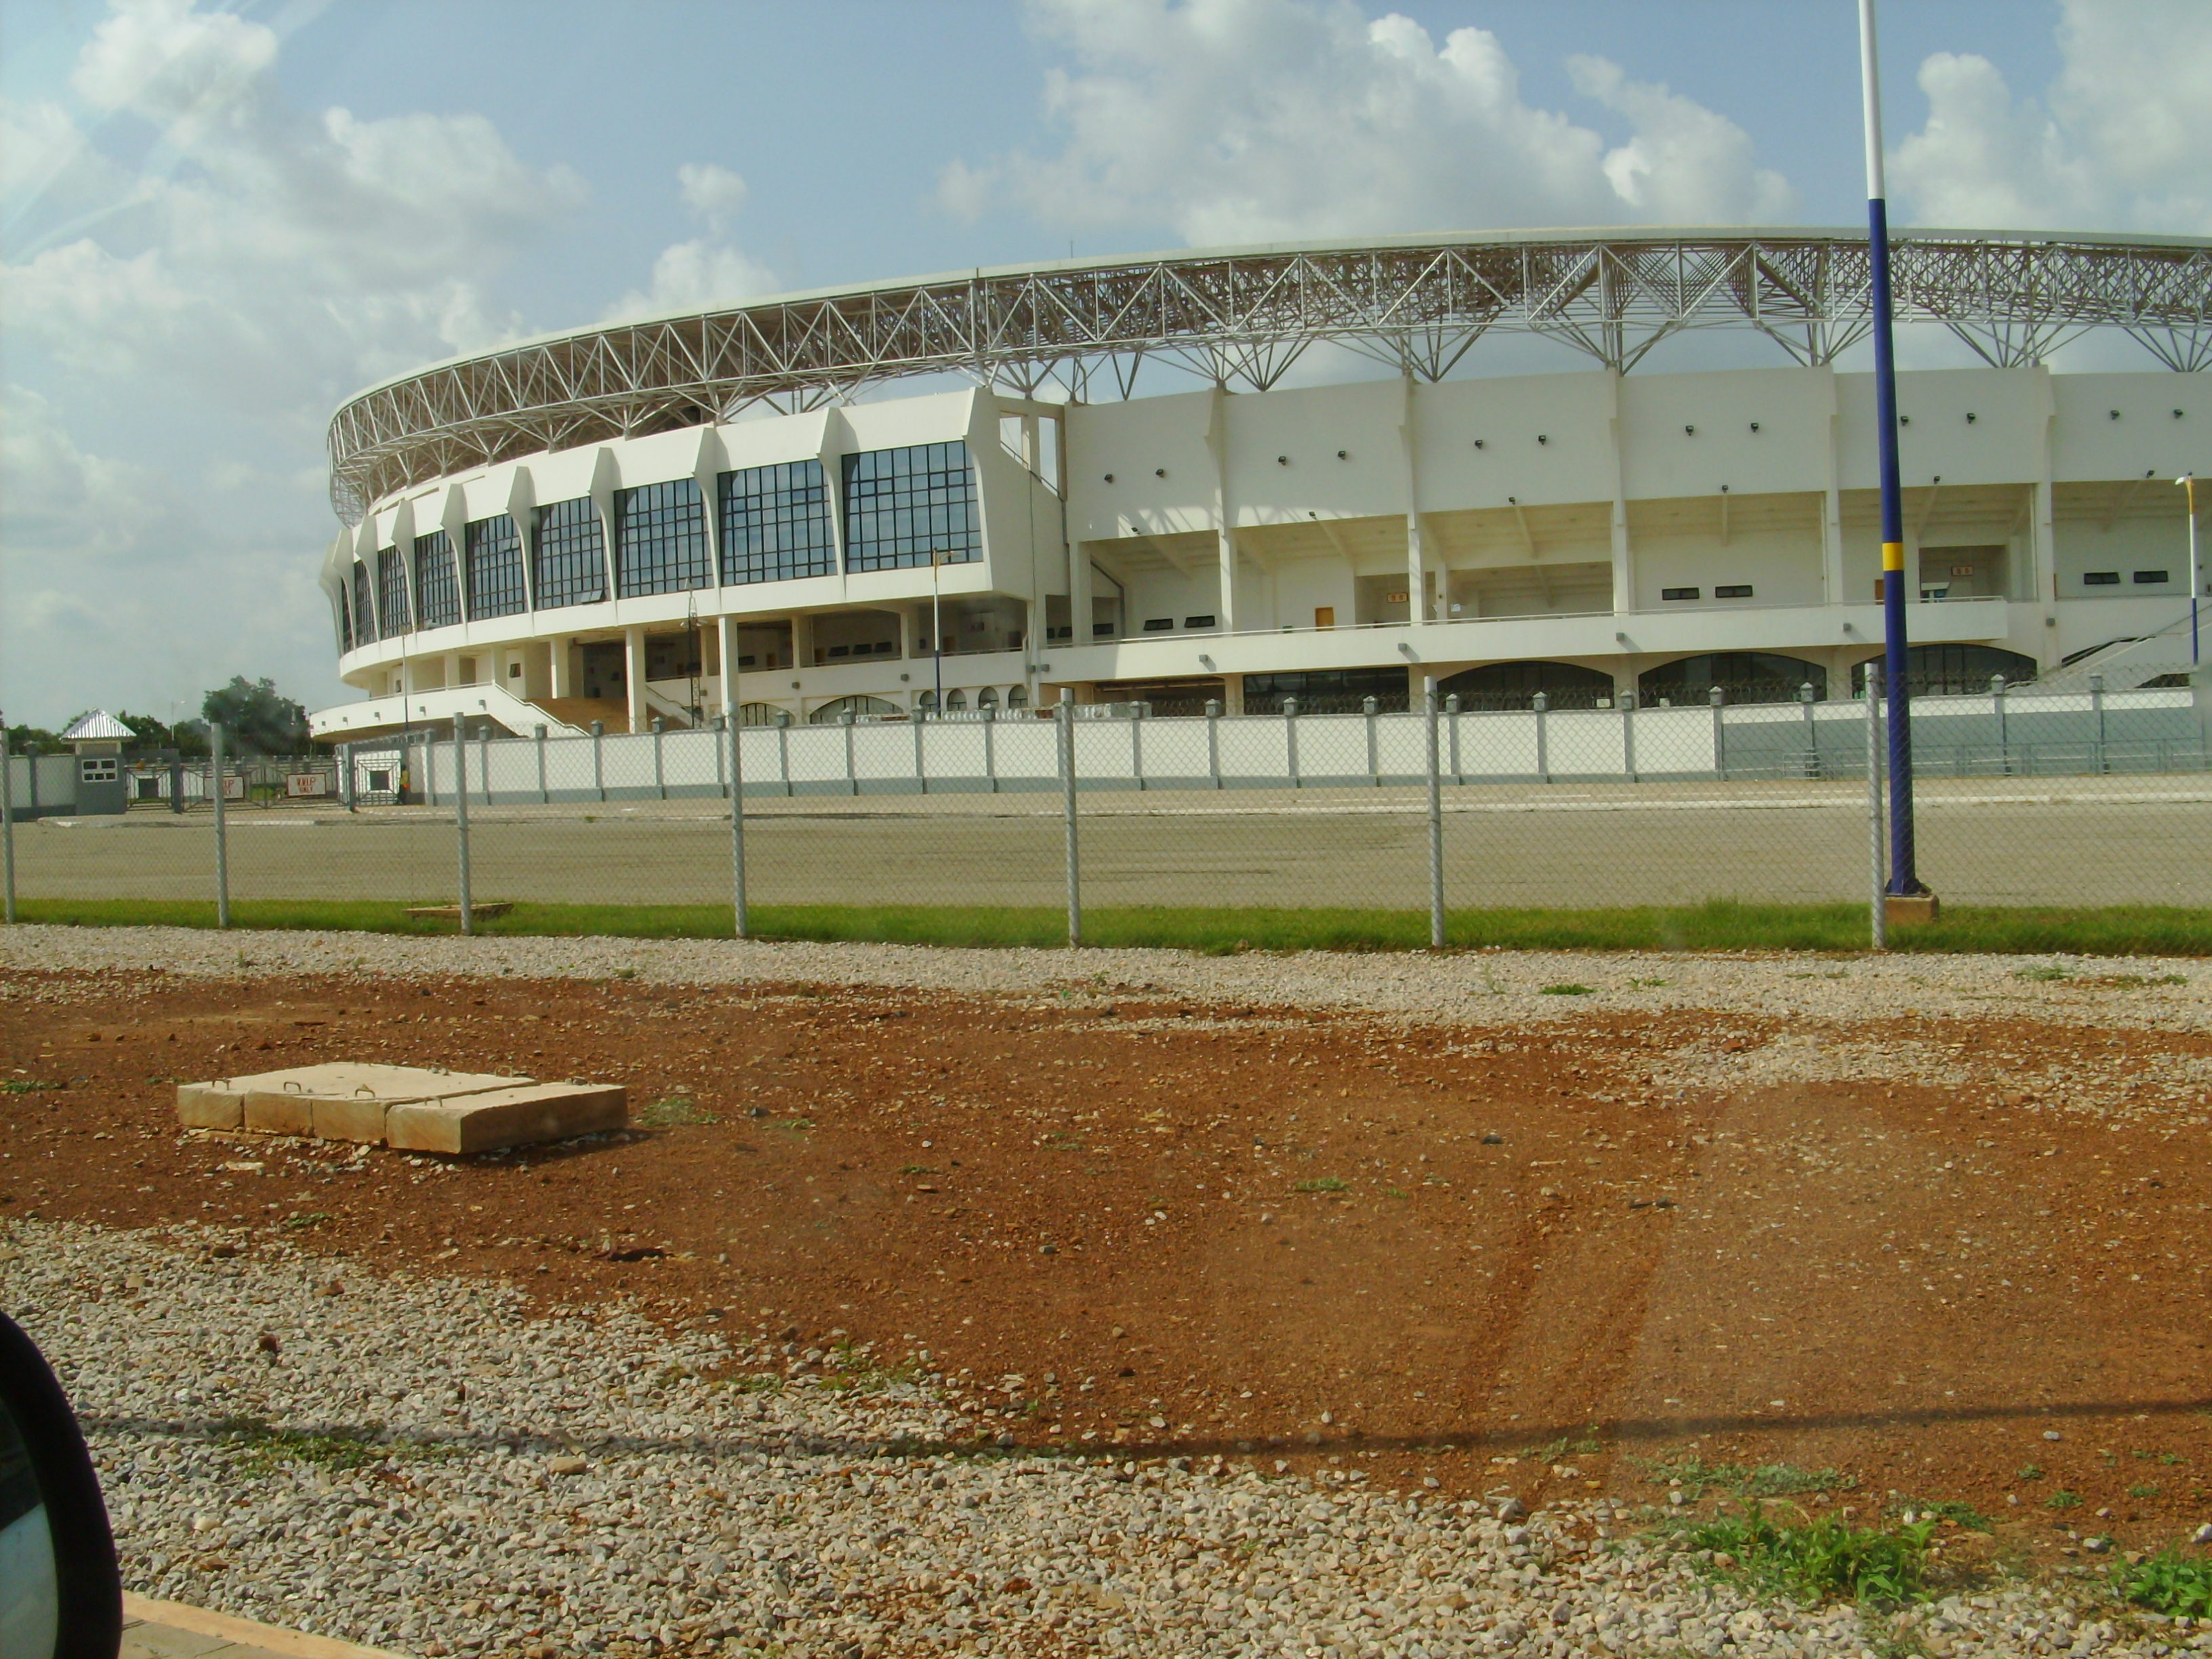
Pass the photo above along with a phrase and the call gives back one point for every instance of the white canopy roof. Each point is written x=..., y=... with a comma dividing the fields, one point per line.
x=96, y=727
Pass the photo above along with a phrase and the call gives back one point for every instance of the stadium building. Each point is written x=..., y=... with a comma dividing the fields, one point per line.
x=943, y=495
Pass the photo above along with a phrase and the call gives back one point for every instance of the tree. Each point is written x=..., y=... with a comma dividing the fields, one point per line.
x=188, y=738
x=22, y=739
x=257, y=718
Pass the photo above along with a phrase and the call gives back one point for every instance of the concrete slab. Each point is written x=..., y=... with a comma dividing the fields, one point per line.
x=170, y=1629
x=283, y=1102
x=506, y=1117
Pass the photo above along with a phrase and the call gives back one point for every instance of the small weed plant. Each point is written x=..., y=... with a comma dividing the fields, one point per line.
x=1826, y=1560
x=338, y=1451
x=1569, y=991
x=676, y=1112
x=2169, y=1582
x=1323, y=1184
x=2063, y=1500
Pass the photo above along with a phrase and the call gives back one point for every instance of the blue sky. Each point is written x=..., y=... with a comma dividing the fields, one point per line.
x=217, y=222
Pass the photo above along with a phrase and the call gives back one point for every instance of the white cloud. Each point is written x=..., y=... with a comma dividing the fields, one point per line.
x=1253, y=120
x=714, y=193
x=2117, y=142
x=705, y=270
x=271, y=256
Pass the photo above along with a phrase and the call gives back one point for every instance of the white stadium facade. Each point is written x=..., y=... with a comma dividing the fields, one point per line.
x=837, y=503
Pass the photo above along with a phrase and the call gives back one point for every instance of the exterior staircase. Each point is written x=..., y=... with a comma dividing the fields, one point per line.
x=578, y=712
x=2124, y=665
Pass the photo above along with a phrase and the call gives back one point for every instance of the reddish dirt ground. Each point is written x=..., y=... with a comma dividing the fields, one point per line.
x=1295, y=1235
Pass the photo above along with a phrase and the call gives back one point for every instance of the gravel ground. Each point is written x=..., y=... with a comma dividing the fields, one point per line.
x=418, y=1464
x=1488, y=986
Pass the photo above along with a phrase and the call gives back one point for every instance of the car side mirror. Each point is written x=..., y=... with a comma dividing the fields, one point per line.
x=61, y=1593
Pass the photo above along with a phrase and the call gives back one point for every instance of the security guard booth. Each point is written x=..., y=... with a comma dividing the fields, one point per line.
x=102, y=790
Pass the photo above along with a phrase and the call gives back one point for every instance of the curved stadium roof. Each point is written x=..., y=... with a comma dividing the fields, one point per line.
x=1241, y=317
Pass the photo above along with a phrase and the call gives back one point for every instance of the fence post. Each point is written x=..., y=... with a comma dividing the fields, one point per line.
x=1812, y=731
x=919, y=717
x=7, y=819
x=1542, y=705
x=1435, y=819
x=599, y=757
x=1137, y=745
x=1213, y=741
x=783, y=749
x=1997, y=706
x=1878, y=876
x=2097, y=710
x=1290, y=738
x=991, y=752
x=1066, y=713
x=1628, y=735
x=177, y=785
x=461, y=816
x=1369, y=708
x=1718, y=699
x=484, y=762
x=222, y=839
x=743, y=919
x=1451, y=712
x=544, y=794
x=660, y=766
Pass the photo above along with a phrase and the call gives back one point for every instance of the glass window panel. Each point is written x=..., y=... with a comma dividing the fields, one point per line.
x=570, y=564
x=660, y=539
x=494, y=548
x=364, y=613
x=391, y=612
x=902, y=505
x=437, y=586
x=776, y=523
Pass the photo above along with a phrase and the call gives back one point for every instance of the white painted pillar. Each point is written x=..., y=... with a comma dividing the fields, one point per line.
x=634, y=677
x=1217, y=439
x=1418, y=608
x=1624, y=560
x=725, y=640
x=561, y=649
x=1832, y=590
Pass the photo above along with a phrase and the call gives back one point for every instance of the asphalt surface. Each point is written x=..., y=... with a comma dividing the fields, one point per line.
x=2001, y=841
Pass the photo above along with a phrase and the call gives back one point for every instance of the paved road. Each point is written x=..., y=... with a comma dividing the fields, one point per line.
x=2110, y=841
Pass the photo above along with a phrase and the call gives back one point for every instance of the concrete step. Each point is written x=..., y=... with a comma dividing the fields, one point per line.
x=170, y=1629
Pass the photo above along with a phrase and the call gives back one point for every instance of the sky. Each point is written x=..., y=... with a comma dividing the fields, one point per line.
x=218, y=222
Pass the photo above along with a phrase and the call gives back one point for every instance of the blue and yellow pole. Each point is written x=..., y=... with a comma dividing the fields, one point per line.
x=1903, y=878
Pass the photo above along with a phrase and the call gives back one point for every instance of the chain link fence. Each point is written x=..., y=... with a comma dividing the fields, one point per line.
x=2024, y=798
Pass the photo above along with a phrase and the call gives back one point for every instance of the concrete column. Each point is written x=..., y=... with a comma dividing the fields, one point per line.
x=634, y=677
x=1217, y=439
x=561, y=649
x=725, y=639
x=1624, y=562
x=1832, y=591
x=1418, y=608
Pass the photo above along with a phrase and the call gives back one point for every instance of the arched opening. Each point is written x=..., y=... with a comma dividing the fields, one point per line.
x=955, y=700
x=1515, y=685
x=926, y=702
x=757, y=714
x=1017, y=696
x=831, y=713
x=987, y=698
x=1950, y=671
x=1741, y=676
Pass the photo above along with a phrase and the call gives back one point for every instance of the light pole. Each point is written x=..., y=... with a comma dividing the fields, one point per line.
x=1903, y=879
x=2188, y=481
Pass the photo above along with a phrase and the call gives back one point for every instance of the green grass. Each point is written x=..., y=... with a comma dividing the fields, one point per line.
x=2168, y=1582
x=1749, y=1481
x=678, y=1111
x=1823, y=1560
x=1716, y=926
x=1323, y=1184
x=338, y=1451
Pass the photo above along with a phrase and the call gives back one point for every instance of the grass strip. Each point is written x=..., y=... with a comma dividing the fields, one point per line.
x=1719, y=924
